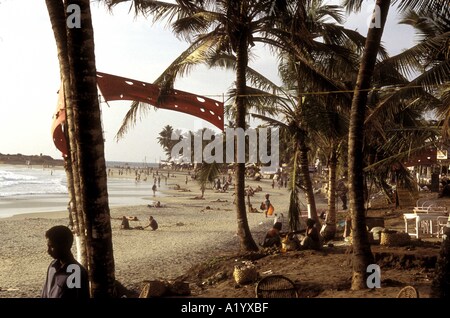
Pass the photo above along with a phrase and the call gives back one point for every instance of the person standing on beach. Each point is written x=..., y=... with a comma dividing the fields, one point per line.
x=66, y=278
x=267, y=204
x=154, y=189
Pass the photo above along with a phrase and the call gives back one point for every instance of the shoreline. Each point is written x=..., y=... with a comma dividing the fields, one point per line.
x=123, y=190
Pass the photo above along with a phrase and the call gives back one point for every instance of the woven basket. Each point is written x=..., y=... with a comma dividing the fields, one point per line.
x=154, y=288
x=245, y=274
x=408, y=292
x=395, y=239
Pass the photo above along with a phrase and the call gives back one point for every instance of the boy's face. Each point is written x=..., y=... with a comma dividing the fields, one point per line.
x=54, y=250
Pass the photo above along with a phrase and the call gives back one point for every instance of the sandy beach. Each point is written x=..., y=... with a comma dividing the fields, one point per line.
x=189, y=233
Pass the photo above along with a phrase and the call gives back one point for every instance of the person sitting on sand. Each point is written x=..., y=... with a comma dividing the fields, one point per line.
x=312, y=239
x=157, y=204
x=125, y=225
x=279, y=219
x=272, y=237
x=152, y=223
x=60, y=281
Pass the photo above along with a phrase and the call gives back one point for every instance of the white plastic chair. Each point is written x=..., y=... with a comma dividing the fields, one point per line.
x=441, y=223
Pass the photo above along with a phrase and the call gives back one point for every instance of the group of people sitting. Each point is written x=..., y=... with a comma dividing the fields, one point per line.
x=311, y=238
x=125, y=225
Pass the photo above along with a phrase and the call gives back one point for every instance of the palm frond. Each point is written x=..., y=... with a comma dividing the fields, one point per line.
x=352, y=5
x=196, y=54
x=444, y=113
x=421, y=6
x=160, y=10
x=320, y=81
x=437, y=75
x=222, y=60
x=425, y=26
x=272, y=121
x=197, y=23
x=410, y=95
x=397, y=157
x=263, y=102
x=256, y=79
x=326, y=12
x=137, y=111
x=410, y=60
x=207, y=173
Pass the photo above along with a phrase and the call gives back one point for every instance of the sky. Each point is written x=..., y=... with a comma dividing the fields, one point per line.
x=125, y=46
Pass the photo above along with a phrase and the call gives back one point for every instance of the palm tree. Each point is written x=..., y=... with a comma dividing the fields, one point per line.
x=166, y=141
x=362, y=255
x=329, y=127
x=57, y=16
x=315, y=53
x=81, y=74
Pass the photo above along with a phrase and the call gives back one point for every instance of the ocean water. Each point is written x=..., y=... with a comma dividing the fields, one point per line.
x=20, y=180
x=33, y=190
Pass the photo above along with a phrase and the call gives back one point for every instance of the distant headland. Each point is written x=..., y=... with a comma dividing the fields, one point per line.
x=19, y=159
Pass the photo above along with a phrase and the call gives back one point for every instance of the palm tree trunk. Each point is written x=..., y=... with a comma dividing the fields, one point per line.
x=362, y=255
x=294, y=207
x=91, y=157
x=304, y=164
x=78, y=226
x=246, y=239
x=306, y=178
x=71, y=113
x=58, y=20
x=329, y=231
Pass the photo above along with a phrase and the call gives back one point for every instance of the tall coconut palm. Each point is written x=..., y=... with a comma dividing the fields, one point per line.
x=316, y=52
x=58, y=18
x=81, y=73
x=329, y=128
x=362, y=255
